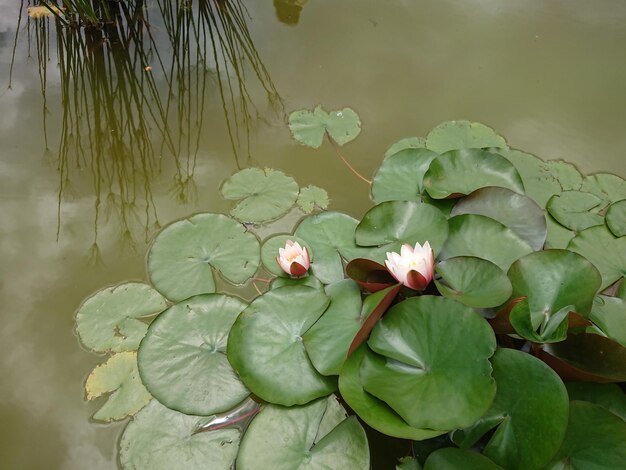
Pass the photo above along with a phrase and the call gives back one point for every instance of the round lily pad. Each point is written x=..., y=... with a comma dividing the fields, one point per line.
x=317, y=436
x=530, y=411
x=311, y=198
x=483, y=237
x=460, y=172
x=400, y=175
x=616, y=218
x=451, y=458
x=182, y=359
x=609, y=313
x=423, y=347
x=472, y=281
x=269, y=252
x=455, y=135
x=183, y=255
x=110, y=320
x=309, y=127
x=608, y=396
x=610, y=188
x=406, y=143
x=574, y=209
x=391, y=224
x=264, y=194
x=162, y=439
x=266, y=346
x=516, y=211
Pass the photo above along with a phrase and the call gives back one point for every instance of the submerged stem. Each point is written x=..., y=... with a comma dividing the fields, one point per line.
x=347, y=163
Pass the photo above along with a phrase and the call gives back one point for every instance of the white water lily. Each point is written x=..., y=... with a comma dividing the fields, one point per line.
x=293, y=259
x=414, y=266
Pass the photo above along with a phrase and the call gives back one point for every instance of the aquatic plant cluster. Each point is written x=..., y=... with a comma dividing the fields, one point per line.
x=478, y=310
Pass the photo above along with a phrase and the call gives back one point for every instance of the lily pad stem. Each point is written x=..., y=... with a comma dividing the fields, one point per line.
x=350, y=167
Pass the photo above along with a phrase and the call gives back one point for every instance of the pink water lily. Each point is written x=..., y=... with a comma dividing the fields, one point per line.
x=293, y=259
x=413, y=267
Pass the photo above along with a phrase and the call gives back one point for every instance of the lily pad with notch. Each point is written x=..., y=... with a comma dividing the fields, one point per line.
x=311, y=198
x=310, y=127
x=575, y=210
x=616, y=218
x=609, y=313
x=610, y=188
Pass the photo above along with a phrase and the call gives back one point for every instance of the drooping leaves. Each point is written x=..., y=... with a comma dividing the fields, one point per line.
x=309, y=127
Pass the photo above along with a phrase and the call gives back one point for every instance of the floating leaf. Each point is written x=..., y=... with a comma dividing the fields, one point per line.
x=616, y=218
x=309, y=127
x=312, y=197
x=422, y=347
x=472, y=281
x=516, y=211
x=608, y=396
x=264, y=194
x=182, y=359
x=162, y=439
x=266, y=346
x=483, y=237
x=610, y=188
x=452, y=458
x=606, y=251
x=406, y=143
x=455, y=135
x=572, y=209
x=460, y=172
x=609, y=313
x=309, y=281
x=400, y=176
x=595, y=440
x=558, y=236
x=316, y=436
x=109, y=320
x=181, y=258
x=530, y=412
x=119, y=377
x=269, y=252
x=376, y=413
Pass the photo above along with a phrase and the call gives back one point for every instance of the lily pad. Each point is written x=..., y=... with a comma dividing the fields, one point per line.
x=317, y=436
x=616, y=218
x=162, y=439
x=183, y=255
x=460, y=172
x=266, y=346
x=119, y=377
x=558, y=236
x=483, y=237
x=452, y=458
x=406, y=143
x=264, y=194
x=400, y=176
x=311, y=198
x=422, y=347
x=455, y=135
x=609, y=313
x=182, y=359
x=472, y=281
x=408, y=463
x=391, y=224
x=572, y=209
x=516, y=211
x=376, y=413
x=309, y=281
x=553, y=327
x=610, y=188
x=606, y=251
x=595, y=440
x=269, y=252
x=530, y=411
x=110, y=320
x=309, y=127
x=608, y=396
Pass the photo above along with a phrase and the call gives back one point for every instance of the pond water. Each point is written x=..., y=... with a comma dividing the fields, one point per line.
x=549, y=76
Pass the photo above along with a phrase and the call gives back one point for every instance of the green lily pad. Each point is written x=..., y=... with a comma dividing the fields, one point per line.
x=309, y=281
x=264, y=194
x=182, y=359
x=455, y=135
x=610, y=188
x=516, y=211
x=530, y=411
x=609, y=313
x=309, y=127
x=376, y=413
x=595, y=440
x=452, y=458
x=572, y=209
x=110, y=320
x=552, y=280
x=269, y=252
x=408, y=463
x=608, y=396
x=183, y=255
x=461, y=172
x=472, y=281
x=606, y=251
x=483, y=237
x=317, y=436
x=400, y=175
x=162, y=439
x=328, y=340
x=119, y=377
x=422, y=347
x=311, y=198
x=553, y=327
x=406, y=143
x=266, y=346
x=616, y=218
x=391, y=224
x=558, y=236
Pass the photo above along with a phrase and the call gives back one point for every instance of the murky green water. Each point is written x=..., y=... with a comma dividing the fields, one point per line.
x=550, y=76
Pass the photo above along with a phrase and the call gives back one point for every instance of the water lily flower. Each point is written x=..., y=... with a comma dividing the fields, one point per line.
x=413, y=267
x=293, y=259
